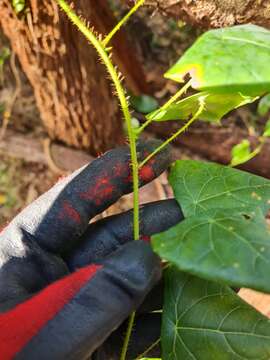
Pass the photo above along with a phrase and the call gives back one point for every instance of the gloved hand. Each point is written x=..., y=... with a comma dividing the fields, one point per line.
x=65, y=285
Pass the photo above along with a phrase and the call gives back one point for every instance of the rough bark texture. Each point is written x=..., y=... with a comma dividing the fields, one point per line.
x=71, y=86
x=216, y=13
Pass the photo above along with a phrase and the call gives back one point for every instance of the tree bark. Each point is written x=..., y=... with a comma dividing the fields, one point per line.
x=216, y=13
x=71, y=86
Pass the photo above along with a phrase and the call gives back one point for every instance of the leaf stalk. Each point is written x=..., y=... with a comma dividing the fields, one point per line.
x=175, y=97
x=122, y=22
x=180, y=131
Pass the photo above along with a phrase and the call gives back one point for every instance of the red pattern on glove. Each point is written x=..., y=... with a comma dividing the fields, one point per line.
x=23, y=322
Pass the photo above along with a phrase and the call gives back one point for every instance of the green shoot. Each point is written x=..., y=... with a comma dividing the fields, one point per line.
x=100, y=48
x=122, y=22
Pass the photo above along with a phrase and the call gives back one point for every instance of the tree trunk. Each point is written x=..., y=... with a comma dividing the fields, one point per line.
x=71, y=86
x=216, y=13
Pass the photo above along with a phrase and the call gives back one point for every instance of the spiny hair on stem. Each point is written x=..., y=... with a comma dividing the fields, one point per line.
x=88, y=25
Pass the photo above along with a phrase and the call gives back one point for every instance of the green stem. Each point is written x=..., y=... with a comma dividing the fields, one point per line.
x=127, y=337
x=100, y=48
x=175, y=97
x=137, y=132
x=180, y=131
x=122, y=22
x=122, y=100
x=144, y=125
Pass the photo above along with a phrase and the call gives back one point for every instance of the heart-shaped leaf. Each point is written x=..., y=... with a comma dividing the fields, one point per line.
x=231, y=246
x=215, y=107
x=199, y=186
x=203, y=320
x=228, y=60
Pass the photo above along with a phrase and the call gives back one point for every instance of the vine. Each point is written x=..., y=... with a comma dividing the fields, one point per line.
x=115, y=76
x=104, y=52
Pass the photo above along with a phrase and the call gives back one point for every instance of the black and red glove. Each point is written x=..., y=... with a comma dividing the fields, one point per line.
x=65, y=285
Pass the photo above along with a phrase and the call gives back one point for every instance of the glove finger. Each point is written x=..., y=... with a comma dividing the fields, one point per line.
x=146, y=332
x=106, y=235
x=73, y=316
x=61, y=215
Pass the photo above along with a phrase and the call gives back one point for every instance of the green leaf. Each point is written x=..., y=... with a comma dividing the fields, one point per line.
x=18, y=5
x=267, y=129
x=200, y=186
x=203, y=320
x=216, y=106
x=143, y=103
x=231, y=246
x=241, y=153
x=264, y=105
x=228, y=60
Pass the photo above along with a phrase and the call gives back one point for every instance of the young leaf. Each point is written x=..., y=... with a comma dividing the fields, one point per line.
x=143, y=103
x=215, y=107
x=264, y=105
x=267, y=129
x=228, y=60
x=199, y=186
x=240, y=153
x=18, y=5
x=230, y=246
x=207, y=321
